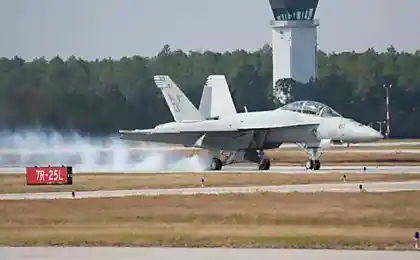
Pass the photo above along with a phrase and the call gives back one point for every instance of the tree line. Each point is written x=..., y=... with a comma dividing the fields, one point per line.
x=102, y=96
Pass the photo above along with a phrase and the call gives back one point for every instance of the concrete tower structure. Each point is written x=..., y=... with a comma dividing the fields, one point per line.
x=294, y=40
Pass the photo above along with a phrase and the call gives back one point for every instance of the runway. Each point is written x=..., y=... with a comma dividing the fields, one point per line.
x=328, y=169
x=328, y=187
x=245, y=167
x=102, y=253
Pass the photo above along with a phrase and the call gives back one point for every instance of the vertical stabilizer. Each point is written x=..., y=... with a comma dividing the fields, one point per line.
x=205, y=102
x=220, y=100
x=180, y=106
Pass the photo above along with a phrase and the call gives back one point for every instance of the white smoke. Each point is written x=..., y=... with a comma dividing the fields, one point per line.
x=85, y=154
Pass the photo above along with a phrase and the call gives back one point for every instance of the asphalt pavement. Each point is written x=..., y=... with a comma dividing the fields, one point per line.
x=103, y=253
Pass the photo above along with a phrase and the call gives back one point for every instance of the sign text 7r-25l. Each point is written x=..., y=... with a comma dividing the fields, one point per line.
x=49, y=175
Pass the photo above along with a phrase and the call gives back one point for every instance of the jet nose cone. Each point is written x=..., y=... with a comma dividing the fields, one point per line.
x=375, y=135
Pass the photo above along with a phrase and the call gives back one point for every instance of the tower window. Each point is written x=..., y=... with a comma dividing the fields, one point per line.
x=294, y=14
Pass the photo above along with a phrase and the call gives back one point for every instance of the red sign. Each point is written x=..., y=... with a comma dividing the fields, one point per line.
x=49, y=175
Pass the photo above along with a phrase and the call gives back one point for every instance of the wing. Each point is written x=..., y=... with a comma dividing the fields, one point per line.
x=222, y=134
x=185, y=136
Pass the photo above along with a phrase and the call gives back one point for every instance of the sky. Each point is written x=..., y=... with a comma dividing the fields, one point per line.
x=93, y=29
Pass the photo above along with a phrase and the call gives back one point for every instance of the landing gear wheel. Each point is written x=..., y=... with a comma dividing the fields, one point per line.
x=264, y=165
x=216, y=164
x=313, y=165
x=309, y=165
x=317, y=165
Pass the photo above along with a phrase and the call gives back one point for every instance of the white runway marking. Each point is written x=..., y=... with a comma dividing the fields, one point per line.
x=102, y=253
x=327, y=187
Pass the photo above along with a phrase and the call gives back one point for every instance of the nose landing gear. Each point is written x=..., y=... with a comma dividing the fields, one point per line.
x=314, y=153
x=313, y=165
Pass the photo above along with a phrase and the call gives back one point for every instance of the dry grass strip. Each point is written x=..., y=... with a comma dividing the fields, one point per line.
x=327, y=220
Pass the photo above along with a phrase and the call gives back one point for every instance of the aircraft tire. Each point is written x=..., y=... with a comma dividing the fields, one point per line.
x=317, y=165
x=216, y=164
x=264, y=165
x=309, y=165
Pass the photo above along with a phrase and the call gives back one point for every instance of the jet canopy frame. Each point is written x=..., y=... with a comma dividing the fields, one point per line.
x=311, y=107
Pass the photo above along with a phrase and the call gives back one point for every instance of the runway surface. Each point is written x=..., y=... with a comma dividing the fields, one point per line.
x=274, y=169
x=328, y=187
x=100, y=253
x=328, y=169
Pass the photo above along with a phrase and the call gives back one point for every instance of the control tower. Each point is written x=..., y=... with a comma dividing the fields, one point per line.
x=294, y=39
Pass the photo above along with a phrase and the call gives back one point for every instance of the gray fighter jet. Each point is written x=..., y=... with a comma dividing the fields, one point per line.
x=216, y=101
x=233, y=137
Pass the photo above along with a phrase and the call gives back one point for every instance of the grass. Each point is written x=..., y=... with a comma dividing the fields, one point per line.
x=15, y=183
x=319, y=220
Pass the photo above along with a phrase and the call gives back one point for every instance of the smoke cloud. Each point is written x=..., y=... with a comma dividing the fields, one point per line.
x=90, y=154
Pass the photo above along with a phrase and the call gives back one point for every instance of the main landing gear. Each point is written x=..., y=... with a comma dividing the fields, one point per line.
x=216, y=164
x=264, y=165
x=255, y=156
x=265, y=162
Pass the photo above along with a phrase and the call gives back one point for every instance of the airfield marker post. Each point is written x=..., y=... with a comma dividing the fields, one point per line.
x=202, y=182
x=387, y=87
x=416, y=239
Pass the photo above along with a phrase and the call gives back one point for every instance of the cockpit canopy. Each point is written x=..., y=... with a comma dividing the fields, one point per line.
x=311, y=107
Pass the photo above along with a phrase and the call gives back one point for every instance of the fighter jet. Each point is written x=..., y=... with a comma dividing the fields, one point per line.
x=245, y=136
x=333, y=127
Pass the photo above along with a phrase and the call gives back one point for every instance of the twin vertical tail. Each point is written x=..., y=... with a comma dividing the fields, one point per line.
x=180, y=106
x=216, y=100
